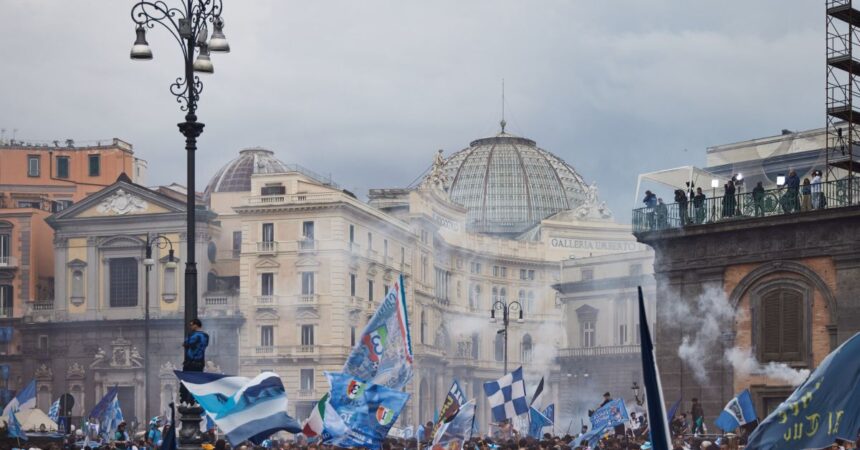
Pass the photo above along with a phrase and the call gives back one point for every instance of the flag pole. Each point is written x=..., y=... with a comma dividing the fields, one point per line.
x=653, y=392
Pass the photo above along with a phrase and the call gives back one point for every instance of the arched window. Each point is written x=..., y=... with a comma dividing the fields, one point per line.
x=782, y=325
x=521, y=297
x=527, y=349
x=503, y=295
x=499, y=348
x=495, y=295
x=423, y=327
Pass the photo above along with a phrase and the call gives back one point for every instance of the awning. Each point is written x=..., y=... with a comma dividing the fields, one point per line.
x=678, y=178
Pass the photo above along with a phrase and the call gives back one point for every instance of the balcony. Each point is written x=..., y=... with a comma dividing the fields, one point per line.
x=307, y=246
x=219, y=305
x=267, y=247
x=744, y=205
x=5, y=313
x=307, y=394
x=8, y=262
x=264, y=300
x=590, y=352
x=43, y=306
x=289, y=199
x=265, y=350
x=355, y=248
x=216, y=300
x=308, y=299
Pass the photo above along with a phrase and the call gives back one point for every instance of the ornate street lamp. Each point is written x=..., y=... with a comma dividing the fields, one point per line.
x=161, y=242
x=187, y=23
x=506, y=309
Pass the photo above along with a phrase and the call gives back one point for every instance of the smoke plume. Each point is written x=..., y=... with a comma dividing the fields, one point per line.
x=746, y=364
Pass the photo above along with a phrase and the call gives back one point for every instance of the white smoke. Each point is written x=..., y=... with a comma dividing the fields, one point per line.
x=703, y=328
x=746, y=364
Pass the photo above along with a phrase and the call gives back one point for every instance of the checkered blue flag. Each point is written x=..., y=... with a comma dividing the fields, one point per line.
x=507, y=396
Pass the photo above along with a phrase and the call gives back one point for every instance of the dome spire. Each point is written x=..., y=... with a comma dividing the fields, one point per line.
x=503, y=123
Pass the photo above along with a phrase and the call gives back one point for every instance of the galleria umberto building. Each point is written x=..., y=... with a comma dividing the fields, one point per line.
x=293, y=266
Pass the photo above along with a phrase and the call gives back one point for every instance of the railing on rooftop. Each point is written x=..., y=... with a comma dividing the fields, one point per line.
x=746, y=205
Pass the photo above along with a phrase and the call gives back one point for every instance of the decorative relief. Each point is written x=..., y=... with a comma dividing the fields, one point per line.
x=43, y=372
x=122, y=203
x=123, y=356
x=166, y=370
x=75, y=371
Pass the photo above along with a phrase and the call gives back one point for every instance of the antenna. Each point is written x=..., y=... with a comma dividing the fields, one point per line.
x=503, y=123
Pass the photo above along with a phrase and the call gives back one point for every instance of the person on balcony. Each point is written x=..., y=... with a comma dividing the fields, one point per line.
x=662, y=212
x=699, y=205
x=650, y=202
x=683, y=212
x=793, y=185
x=817, y=195
x=806, y=195
x=758, y=199
x=729, y=199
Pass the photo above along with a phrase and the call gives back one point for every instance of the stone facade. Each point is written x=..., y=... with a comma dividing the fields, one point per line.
x=813, y=254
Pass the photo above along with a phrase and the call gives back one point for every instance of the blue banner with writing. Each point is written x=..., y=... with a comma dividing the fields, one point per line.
x=825, y=407
x=609, y=415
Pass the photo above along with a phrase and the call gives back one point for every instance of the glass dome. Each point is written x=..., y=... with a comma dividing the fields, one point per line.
x=508, y=184
x=235, y=176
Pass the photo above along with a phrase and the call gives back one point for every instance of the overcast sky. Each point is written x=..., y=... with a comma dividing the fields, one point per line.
x=368, y=90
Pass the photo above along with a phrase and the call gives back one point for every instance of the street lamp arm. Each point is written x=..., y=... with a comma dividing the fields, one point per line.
x=515, y=306
x=161, y=241
x=149, y=13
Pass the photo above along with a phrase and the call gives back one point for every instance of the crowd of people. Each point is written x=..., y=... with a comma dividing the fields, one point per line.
x=691, y=205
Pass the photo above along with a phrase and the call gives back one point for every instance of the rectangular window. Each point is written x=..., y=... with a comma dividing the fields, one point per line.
x=268, y=232
x=237, y=243
x=94, y=164
x=351, y=233
x=267, y=284
x=59, y=205
x=29, y=204
x=352, y=336
x=370, y=290
x=531, y=275
x=587, y=274
x=5, y=249
x=352, y=282
x=43, y=341
x=369, y=241
x=33, y=163
x=273, y=190
x=385, y=248
x=500, y=271
x=307, y=283
x=123, y=281
x=622, y=334
x=307, y=335
x=62, y=167
x=424, y=268
x=402, y=255
x=385, y=289
x=588, y=334
x=475, y=268
x=307, y=379
x=267, y=336
x=5, y=300
x=308, y=230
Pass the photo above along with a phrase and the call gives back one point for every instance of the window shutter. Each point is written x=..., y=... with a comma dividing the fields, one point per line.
x=770, y=336
x=792, y=326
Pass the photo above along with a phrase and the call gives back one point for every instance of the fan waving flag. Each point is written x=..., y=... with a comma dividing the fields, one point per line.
x=739, y=411
x=383, y=355
x=459, y=428
x=537, y=422
x=26, y=399
x=253, y=412
x=507, y=396
x=324, y=420
x=107, y=413
x=14, y=429
x=368, y=410
x=549, y=412
x=451, y=407
x=54, y=412
x=537, y=399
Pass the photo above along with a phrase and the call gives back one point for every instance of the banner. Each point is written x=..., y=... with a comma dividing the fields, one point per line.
x=825, y=407
x=451, y=406
x=368, y=410
x=459, y=428
x=537, y=423
x=610, y=415
x=739, y=411
x=383, y=355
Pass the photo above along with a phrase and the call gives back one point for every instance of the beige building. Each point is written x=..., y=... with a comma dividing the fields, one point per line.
x=490, y=223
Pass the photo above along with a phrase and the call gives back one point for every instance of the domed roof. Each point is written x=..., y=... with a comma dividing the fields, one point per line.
x=508, y=184
x=235, y=176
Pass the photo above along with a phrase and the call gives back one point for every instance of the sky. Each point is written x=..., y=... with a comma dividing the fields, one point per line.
x=367, y=91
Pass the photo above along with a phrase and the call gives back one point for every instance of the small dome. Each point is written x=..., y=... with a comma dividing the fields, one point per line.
x=508, y=184
x=235, y=176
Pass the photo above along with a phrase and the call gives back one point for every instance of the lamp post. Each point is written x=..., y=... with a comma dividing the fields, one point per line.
x=162, y=242
x=506, y=309
x=187, y=23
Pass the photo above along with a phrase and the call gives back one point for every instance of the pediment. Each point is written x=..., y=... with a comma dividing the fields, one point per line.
x=267, y=263
x=306, y=314
x=121, y=199
x=266, y=315
x=76, y=264
x=586, y=312
x=307, y=262
x=121, y=241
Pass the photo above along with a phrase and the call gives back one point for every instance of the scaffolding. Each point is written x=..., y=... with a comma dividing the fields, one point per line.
x=843, y=87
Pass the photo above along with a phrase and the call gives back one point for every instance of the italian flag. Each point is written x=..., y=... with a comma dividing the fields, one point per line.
x=324, y=418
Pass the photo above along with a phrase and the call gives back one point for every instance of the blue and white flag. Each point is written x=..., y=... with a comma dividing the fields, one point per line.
x=383, y=355
x=451, y=406
x=26, y=399
x=549, y=412
x=54, y=412
x=610, y=415
x=459, y=428
x=739, y=411
x=507, y=396
x=537, y=423
x=825, y=407
x=14, y=428
x=253, y=411
x=368, y=410
x=107, y=413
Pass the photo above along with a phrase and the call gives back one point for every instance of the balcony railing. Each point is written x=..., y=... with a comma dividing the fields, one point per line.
x=5, y=313
x=614, y=350
x=747, y=205
x=308, y=299
x=306, y=394
x=43, y=306
x=8, y=261
x=265, y=350
x=264, y=300
x=267, y=247
x=355, y=248
x=216, y=300
x=307, y=245
x=285, y=199
x=306, y=348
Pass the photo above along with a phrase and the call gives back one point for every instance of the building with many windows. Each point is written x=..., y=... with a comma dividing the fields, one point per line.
x=35, y=181
x=489, y=224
